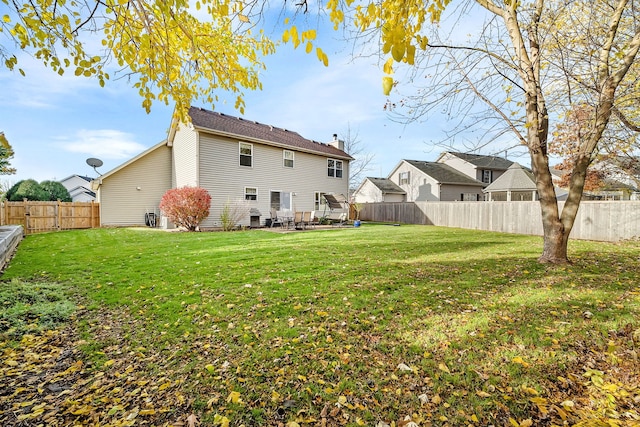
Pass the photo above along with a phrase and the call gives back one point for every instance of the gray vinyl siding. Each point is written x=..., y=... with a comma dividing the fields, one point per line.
x=221, y=174
x=185, y=157
x=122, y=203
x=452, y=192
x=462, y=166
x=421, y=187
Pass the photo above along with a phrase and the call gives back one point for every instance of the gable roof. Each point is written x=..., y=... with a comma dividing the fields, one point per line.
x=86, y=178
x=516, y=178
x=484, y=162
x=96, y=182
x=218, y=123
x=443, y=173
x=386, y=185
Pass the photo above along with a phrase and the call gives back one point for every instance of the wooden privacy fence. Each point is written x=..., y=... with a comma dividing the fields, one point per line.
x=596, y=220
x=37, y=217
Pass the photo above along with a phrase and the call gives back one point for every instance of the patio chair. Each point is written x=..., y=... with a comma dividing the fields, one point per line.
x=297, y=220
x=307, y=219
x=274, y=219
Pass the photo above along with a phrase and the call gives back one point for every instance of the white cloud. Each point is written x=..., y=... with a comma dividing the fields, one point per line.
x=103, y=143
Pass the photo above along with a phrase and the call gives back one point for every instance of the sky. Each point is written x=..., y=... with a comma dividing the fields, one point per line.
x=55, y=123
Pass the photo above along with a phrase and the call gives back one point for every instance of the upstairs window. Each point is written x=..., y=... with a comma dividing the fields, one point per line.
x=334, y=168
x=250, y=193
x=404, y=178
x=246, y=154
x=288, y=158
x=486, y=176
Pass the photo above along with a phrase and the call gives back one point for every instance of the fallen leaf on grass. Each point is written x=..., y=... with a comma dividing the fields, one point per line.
x=520, y=361
x=234, y=397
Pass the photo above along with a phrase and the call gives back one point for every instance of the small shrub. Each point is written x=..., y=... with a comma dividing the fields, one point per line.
x=55, y=191
x=186, y=206
x=232, y=213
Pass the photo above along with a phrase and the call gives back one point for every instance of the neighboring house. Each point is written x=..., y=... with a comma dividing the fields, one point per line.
x=374, y=190
x=433, y=181
x=517, y=184
x=79, y=188
x=485, y=169
x=612, y=189
x=239, y=162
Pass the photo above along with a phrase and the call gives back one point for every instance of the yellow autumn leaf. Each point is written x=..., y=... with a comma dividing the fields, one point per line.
x=444, y=368
x=220, y=420
x=387, y=85
x=519, y=360
x=164, y=386
x=482, y=393
x=387, y=68
x=243, y=18
x=234, y=397
x=342, y=400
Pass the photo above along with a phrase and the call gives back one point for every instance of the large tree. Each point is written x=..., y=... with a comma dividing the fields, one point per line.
x=173, y=51
x=532, y=61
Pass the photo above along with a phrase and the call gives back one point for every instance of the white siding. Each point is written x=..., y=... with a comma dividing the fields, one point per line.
x=461, y=165
x=221, y=174
x=394, y=198
x=421, y=187
x=368, y=193
x=185, y=157
x=127, y=194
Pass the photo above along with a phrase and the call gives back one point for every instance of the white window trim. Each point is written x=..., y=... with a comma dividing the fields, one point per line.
x=284, y=158
x=335, y=168
x=319, y=202
x=403, y=178
x=240, y=154
x=254, y=194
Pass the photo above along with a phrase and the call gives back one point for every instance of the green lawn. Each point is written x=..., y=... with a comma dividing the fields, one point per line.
x=379, y=325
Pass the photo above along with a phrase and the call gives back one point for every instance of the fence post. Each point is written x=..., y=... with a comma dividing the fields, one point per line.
x=58, y=215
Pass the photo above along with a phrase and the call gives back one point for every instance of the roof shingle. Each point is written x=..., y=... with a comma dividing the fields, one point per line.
x=485, y=162
x=217, y=122
x=444, y=173
x=386, y=185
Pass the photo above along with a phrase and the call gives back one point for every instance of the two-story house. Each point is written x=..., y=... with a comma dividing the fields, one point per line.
x=485, y=169
x=432, y=181
x=236, y=160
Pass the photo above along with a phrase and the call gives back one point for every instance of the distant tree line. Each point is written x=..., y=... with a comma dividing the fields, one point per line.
x=44, y=191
